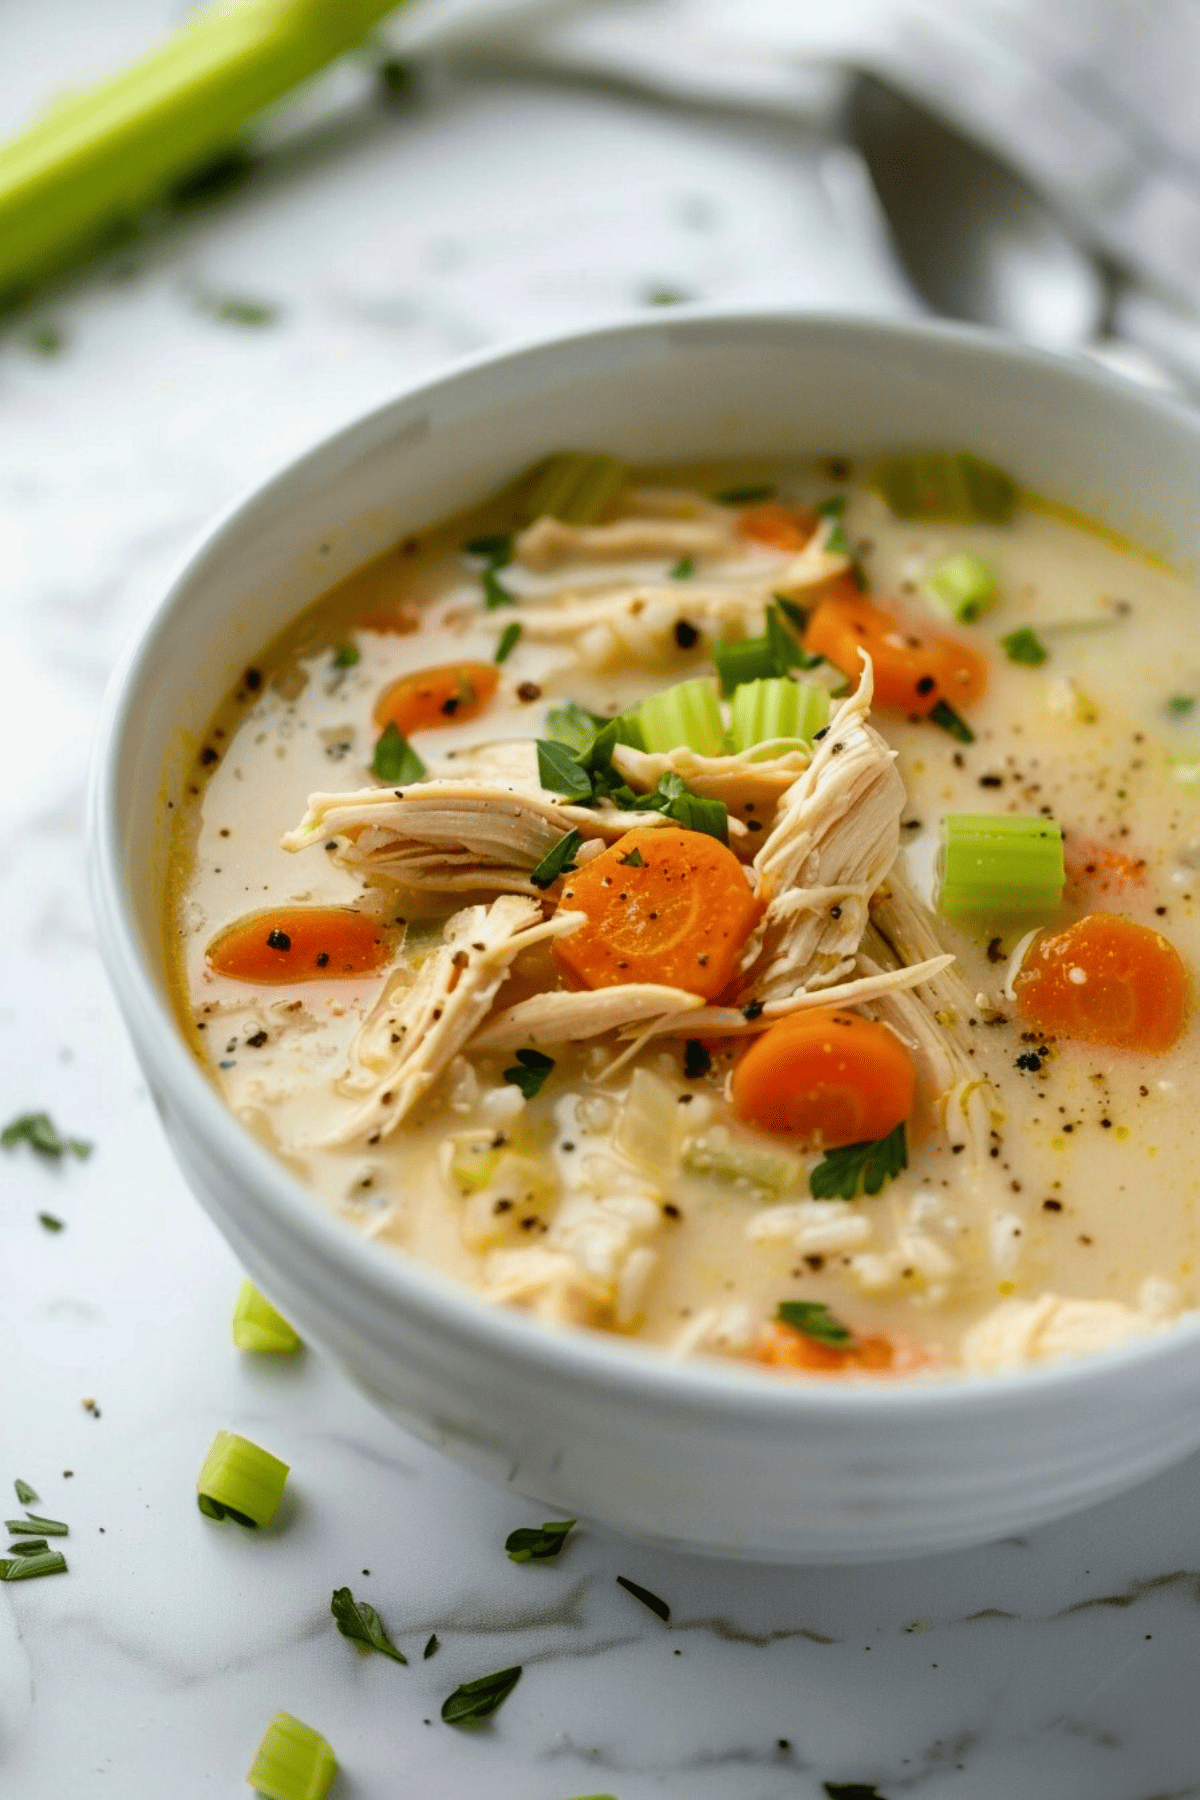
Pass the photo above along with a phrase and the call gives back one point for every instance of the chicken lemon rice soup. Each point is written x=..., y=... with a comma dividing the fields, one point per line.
x=749, y=910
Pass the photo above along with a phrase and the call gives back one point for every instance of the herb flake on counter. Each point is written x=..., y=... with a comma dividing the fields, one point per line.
x=533, y=1066
x=24, y=1492
x=48, y=1222
x=361, y=1624
x=509, y=638
x=431, y=1648
x=395, y=761
x=658, y=1607
x=1026, y=647
x=531, y=1544
x=946, y=719
x=479, y=1699
x=238, y=309
x=816, y=1321
x=558, y=860
x=33, y=1526
x=494, y=591
x=38, y=1131
x=852, y=1790
x=29, y=1568
x=29, y=1547
x=345, y=656
x=749, y=495
x=843, y=1172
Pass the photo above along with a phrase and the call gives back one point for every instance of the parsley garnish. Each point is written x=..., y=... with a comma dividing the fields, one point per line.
x=345, y=656
x=528, y=1544
x=25, y=1493
x=48, y=1222
x=947, y=719
x=479, y=1699
x=496, y=546
x=657, y=1606
x=815, y=1321
x=690, y=810
x=1181, y=704
x=844, y=1172
x=558, y=860
x=29, y=1547
x=508, y=642
x=634, y=859
x=530, y=1076
x=1024, y=646
x=37, y=1130
x=559, y=771
x=28, y=1568
x=431, y=1648
x=395, y=761
x=683, y=568
x=574, y=726
x=33, y=1526
x=833, y=508
x=746, y=496
x=837, y=543
x=360, y=1622
x=494, y=591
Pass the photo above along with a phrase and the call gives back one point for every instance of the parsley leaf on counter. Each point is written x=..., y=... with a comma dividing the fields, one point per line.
x=24, y=1492
x=49, y=1222
x=28, y=1568
x=431, y=1648
x=478, y=1699
x=815, y=1321
x=360, y=1623
x=530, y=1077
x=528, y=1544
x=842, y=1173
x=395, y=761
x=37, y=1130
x=558, y=860
x=29, y=1547
x=33, y=1526
x=657, y=1606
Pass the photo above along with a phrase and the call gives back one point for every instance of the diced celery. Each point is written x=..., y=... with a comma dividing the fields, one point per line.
x=646, y=1128
x=294, y=1762
x=963, y=587
x=948, y=484
x=734, y=1163
x=574, y=487
x=257, y=1326
x=996, y=868
x=240, y=1480
x=684, y=717
x=780, y=708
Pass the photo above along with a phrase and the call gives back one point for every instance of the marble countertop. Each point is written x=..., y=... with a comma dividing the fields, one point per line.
x=134, y=402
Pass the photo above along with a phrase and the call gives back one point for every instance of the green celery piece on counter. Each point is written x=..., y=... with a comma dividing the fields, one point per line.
x=93, y=161
x=573, y=486
x=949, y=485
x=294, y=1762
x=257, y=1326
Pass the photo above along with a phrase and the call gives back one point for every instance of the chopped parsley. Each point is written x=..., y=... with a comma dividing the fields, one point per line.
x=345, y=656
x=683, y=568
x=815, y=1321
x=559, y=771
x=746, y=496
x=431, y=1648
x=478, y=1699
x=558, y=860
x=360, y=1622
x=495, y=546
x=837, y=543
x=656, y=1606
x=1025, y=646
x=38, y=1131
x=494, y=591
x=574, y=726
x=633, y=859
x=833, y=508
x=947, y=719
x=49, y=1222
x=395, y=761
x=1180, y=705
x=238, y=309
x=529, y=1544
x=509, y=638
x=843, y=1173
x=24, y=1492
x=34, y=1526
x=29, y=1568
x=530, y=1072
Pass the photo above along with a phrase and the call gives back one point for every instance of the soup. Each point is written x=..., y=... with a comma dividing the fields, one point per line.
x=749, y=910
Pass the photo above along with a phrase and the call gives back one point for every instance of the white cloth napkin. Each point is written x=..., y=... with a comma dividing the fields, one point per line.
x=1094, y=100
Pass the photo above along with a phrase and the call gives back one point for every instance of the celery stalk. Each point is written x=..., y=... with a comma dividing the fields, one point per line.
x=683, y=717
x=963, y=587
x=81, y=173
x=763, y=711
x=573, y=486
x=996, y=868
x=947, y=484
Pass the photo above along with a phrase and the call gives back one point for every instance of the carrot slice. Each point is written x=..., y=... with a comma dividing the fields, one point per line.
x=668, y=906
x=915, y=669
x=829, y=1077
x=444, y=696
x=786, y=527
x=1106, y=980
x=300, y=943
x=783, y=1347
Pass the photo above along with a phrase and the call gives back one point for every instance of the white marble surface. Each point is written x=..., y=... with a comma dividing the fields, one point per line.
x=1057, y=1668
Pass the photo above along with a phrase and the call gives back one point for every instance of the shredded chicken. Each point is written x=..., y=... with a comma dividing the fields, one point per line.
x=1043, y=1330
x=836, y=835
x=454, y=836
x=735, y=1021
x=424, y=1017
x=561, y=1017
x=548, y=542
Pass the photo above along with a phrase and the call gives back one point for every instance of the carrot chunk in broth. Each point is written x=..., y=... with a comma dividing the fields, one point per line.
x=915, y=669
x=1106, y=980
x=828, y=1077
x=449, y=695
x=667, y=906
x=301, y=943
x=783, y=1347
x=786, y=527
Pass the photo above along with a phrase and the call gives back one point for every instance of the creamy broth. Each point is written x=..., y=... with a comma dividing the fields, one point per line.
x=1048, y=1203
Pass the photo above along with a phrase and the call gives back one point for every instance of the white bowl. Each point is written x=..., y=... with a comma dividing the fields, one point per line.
x=705, y=1455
